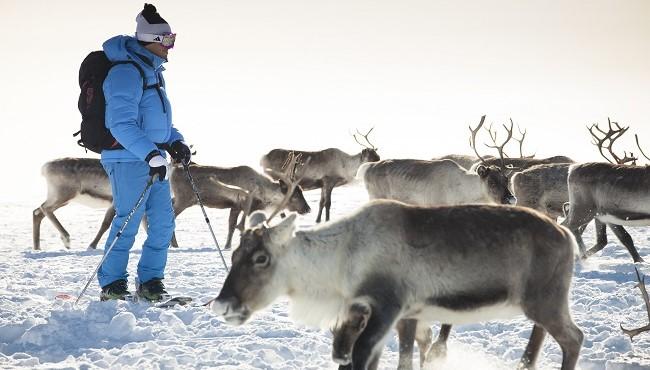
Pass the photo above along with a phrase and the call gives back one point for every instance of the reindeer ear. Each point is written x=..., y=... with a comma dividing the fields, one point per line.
x=282, y=232
x=256, y=218
x=481, y=170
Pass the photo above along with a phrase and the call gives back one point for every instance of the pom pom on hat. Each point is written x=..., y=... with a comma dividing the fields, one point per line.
x=150, y=22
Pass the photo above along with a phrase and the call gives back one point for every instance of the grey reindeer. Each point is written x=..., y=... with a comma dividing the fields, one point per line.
x=327, y=168
x=410, y=262
x=613, y=193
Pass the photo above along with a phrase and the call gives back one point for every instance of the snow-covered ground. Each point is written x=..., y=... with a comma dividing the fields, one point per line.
x=39, y=331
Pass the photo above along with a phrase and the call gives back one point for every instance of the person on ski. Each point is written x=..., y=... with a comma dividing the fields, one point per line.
x=139, y=116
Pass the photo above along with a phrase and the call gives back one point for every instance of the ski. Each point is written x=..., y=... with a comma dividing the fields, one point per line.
x=167, y=300
x=173, y=301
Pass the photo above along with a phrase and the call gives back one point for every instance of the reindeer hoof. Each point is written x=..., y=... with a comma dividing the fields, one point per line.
x=437, y=351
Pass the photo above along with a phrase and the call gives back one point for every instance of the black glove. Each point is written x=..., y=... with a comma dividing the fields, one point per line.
x=157, y=165
x=180, y=152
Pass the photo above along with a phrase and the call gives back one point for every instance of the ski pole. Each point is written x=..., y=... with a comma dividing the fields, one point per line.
x=207, y=220
x=119, y=233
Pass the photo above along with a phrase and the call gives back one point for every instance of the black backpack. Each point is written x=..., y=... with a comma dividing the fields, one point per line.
x=92, y=105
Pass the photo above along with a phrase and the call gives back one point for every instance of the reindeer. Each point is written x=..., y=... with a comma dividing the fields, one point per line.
x=262, y=190
x=433, y=183
x=327, y=169
x=436, y=182
x=614, y=193
x=543, y=187
x=80, y=180
x=410, y=262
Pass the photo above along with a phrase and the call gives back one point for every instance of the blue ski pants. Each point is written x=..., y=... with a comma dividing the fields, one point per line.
x=128, y=181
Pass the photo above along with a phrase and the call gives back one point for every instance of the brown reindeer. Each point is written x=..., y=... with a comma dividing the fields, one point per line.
x=80, y=180
x=327, y=169
x=262, y=190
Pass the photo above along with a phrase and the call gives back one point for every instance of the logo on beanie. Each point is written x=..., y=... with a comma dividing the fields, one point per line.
x=157, y=38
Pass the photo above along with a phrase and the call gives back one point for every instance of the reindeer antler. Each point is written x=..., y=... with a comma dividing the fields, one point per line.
x=472, y=138
x=291, y=175
x=371, y=146
x=521, y=142
x=644, y=293
x=498, y=147
x=611, y=136
x=636, y=137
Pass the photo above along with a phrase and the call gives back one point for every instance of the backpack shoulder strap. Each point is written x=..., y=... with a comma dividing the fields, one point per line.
x=137, y=66
x=144, y=80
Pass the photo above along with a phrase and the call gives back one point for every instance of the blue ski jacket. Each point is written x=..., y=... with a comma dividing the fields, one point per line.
x=139, y=117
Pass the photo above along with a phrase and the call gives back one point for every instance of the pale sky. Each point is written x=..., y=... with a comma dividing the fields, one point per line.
x=247, y=76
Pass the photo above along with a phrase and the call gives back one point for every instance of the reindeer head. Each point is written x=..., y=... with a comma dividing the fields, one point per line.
x=297, y=201
x=289, y=178
x=255, y=280
x=369, y=155
x=495, y=184
x=369, y=151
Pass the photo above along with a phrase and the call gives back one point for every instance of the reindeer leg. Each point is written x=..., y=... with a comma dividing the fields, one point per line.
x=601, y=238
x=576, y=221
x=385, y=309
x=424, y=338
x=532, y=349
x=406, y=335
x=321, y=203
x=37, y=217
x=178, y=208
x=627, y=241
x=374, y=363
x=373, y=337
x=232, y=223
x=439, y=347
x=549, y=309
x=328, y=197
x=106, y=223
x=49, y=213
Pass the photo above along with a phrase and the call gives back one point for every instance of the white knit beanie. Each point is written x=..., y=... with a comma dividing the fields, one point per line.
x=150, y=22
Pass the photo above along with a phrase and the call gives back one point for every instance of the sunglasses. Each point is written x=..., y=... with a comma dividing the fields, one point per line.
x=166, y=41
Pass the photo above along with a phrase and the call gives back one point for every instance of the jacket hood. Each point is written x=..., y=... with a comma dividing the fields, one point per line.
x=120, y=48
